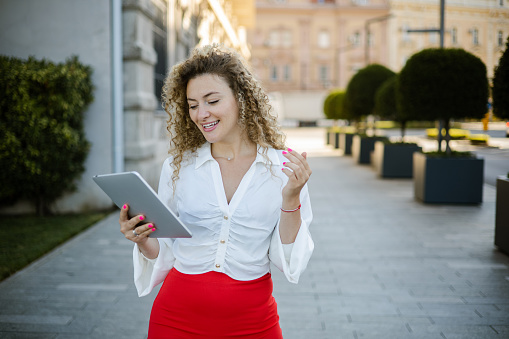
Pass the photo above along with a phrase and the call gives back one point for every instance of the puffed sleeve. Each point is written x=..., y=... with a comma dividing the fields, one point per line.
x=292, y=259
x=149, y=273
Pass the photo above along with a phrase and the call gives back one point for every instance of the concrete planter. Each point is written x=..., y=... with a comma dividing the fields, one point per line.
x=448, y=180
x=333, y=139
x=394, y=160
x=362, y=148
x=345, y=143
x=502, y=215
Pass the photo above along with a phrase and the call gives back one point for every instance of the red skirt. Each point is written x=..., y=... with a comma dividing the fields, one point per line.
x=213, y=305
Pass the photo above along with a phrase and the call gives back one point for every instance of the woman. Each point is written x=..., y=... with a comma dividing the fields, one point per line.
x=243, y=195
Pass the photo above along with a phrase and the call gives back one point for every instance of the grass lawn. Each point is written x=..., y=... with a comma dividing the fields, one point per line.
x=24, y=239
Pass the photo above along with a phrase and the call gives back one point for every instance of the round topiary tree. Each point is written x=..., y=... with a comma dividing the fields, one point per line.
x=386, y=107
x=333, y=107
x=443, y=84
x=500, y=90
x=327, y=105
x=360, y=92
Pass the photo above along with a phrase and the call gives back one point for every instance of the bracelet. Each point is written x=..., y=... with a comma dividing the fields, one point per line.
x=289, y=211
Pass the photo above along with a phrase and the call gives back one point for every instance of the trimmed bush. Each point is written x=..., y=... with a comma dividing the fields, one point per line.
x=501, y=86
x=333, y=107
x=386, y=107
x=443, y=84
x=43, y=145
x=360, y=92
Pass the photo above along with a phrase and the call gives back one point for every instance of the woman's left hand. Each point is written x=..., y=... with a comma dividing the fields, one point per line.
x=298, y=171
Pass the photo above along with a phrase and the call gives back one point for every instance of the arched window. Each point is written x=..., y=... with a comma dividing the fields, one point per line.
x=323, y=39
x=475, y=36
x=454, y=35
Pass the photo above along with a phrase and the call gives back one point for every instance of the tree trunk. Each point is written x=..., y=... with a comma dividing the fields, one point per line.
x=403, y=129
x=439, y=134
x=447, y=137
x=41, y=207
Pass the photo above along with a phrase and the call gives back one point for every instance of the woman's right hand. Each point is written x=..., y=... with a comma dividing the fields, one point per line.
x=128, y=227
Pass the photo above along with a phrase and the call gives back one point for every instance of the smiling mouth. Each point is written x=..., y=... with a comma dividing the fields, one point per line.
x=212, y=124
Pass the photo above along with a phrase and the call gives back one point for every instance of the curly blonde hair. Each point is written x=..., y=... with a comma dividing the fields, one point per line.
x=255, y=113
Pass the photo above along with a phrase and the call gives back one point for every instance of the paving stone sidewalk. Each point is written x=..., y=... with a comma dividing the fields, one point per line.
x=385, y=266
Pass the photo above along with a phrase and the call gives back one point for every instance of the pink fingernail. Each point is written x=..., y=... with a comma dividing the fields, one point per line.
x=153, y=229
x=284, y=163
x=289, y=150
x=124, y=207
x=282, y=169
x=284, y=152
x=141, y=217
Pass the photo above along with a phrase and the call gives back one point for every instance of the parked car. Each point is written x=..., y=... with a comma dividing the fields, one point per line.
x=507, y=129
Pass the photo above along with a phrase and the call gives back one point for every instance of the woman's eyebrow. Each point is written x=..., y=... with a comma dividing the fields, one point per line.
x=205, y=96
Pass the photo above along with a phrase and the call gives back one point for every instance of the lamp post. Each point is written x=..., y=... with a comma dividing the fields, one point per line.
x=439, y=30
x=367, y=33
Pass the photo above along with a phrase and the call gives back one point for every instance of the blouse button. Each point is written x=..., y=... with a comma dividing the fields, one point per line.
x=225, y=217
x=222, y=241
x=217, y=265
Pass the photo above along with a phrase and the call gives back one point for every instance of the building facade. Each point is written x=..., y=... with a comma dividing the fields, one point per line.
x=480, y=27
x=130, y=45
x=303, y=48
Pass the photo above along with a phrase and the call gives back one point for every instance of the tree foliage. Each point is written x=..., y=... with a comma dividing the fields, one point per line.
x=360, y=92
x=501, y=86
x=42, y=144
x=443, y=84
x=386, y=107
x=333, y=107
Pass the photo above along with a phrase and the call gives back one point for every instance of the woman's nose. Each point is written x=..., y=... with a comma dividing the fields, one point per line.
x=203, y=113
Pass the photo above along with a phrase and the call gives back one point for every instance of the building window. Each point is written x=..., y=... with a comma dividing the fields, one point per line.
x=273, y=73
x=355, y=39
x=324, y=74
x=370, y=39
x=475, y=36
x=287, y=73
x=274, y=38
x=323, y=39
x=286, y=38
x=454, y=35
x=500, y=38
x=432, y=38
x=501, y=3
x=406, y=35
x=161, y=47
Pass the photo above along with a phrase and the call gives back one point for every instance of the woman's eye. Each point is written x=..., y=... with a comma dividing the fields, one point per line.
x=193, y=106
x=213, y=102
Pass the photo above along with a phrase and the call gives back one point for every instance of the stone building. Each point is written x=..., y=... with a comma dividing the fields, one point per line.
x=303, y=48
x=481, y=27
x=130, y=45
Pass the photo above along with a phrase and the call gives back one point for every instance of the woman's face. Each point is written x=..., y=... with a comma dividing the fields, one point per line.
x=213, y=108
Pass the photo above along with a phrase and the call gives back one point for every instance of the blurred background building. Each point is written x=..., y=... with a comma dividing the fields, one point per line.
x=303, y=48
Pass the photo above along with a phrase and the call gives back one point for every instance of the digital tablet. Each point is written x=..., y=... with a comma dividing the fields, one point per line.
x=130, y=188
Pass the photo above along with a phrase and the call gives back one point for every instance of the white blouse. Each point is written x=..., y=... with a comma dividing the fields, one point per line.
x=239, y=239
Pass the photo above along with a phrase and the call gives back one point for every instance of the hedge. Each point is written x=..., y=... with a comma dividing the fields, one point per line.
x=42, y=144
